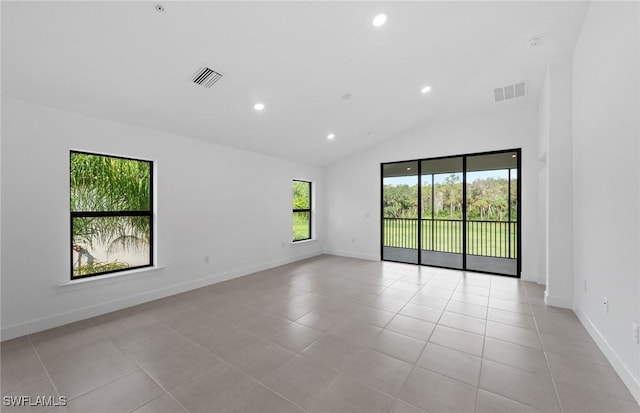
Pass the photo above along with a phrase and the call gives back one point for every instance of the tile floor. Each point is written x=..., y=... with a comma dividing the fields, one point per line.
x=328, y=334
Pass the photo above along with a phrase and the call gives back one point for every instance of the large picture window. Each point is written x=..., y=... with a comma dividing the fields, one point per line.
x=111, y=214
x=301, y=210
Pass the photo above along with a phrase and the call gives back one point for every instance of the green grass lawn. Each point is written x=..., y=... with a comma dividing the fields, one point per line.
x=489, y=239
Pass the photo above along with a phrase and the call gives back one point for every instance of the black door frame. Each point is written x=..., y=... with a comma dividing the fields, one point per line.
x=518, y=152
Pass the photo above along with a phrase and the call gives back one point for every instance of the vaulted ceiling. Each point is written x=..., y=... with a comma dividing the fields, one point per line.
x=127, y=61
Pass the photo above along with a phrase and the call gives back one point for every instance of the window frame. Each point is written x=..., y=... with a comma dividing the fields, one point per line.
x=309, y=210
x=98, y=214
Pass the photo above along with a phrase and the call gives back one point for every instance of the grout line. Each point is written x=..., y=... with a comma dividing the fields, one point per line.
x=178, y=352
x=484, y=340
x=298, y=353
x=433, y=276
x=119, y=351
x=165, y=390
x=233, y=367
x=553, y=381
x=517, y=368
x=415, y=365
x=364, y=347
x=163, y=394
x=55, y=389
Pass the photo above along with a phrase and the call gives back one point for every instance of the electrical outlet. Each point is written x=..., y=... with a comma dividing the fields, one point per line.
x=605, y=304
x=206, y=259
x=636, y=333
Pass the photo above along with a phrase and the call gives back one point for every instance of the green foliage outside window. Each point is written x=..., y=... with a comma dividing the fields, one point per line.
x=486, y=199
x=301, y=210
x=111, y=213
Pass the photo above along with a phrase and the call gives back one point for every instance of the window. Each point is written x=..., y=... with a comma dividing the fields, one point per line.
x=301, y=210
x=111, y=214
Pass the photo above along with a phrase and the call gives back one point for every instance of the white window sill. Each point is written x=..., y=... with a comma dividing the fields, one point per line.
x=73, y=285
x=306, y=241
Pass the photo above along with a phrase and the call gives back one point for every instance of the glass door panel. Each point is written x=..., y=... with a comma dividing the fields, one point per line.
x=491, y=213
x=442, y=212
x=400, y=232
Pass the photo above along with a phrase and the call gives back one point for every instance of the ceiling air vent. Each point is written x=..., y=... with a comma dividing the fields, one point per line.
x=510, y=91
x=206, y=77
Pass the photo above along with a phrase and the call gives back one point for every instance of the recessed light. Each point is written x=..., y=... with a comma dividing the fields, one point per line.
x=258, y=106
x=425, y=89
x=408, y=169
x=514, y=156
x=331, y=136
x=379, y=20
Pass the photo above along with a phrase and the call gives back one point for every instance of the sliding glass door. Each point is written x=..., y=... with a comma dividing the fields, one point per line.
x=441, y=216
x=492, y=213
x=459, y=212
x=400, y=212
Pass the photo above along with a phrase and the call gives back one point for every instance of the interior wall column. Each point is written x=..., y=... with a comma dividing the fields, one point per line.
x=559, y=169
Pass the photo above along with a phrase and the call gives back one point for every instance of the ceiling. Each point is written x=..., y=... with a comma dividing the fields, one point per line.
x=128, y=62
x=452, y=165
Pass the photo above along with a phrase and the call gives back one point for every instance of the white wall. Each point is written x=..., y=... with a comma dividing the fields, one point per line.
x=229, y=204
x=606, y=126
x=353, y=184
x=543, y=180
x=558, y=175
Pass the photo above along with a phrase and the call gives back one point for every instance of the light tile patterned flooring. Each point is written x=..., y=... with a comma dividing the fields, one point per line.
x=328, y=334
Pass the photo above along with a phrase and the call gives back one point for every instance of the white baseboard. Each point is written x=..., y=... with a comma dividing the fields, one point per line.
x=632, y=382
x=351, y=254
x=557, y=301
x=56, y=320
x=525, y=276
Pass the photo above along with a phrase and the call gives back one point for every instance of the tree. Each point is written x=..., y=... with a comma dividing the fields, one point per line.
x=487, y=199
x=454, y=189
x=400, y=201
